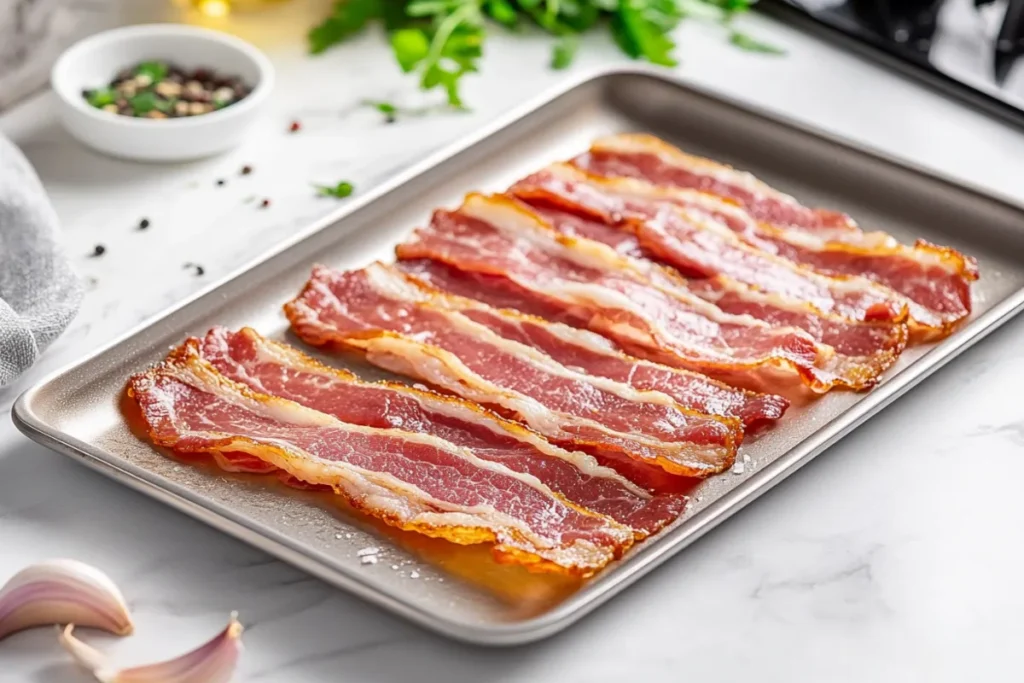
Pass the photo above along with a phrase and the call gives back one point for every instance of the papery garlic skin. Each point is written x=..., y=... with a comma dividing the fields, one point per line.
x=61, y=592
x=213, y=662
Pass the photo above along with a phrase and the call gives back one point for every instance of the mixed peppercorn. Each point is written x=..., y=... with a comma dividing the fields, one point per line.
x=158, y=90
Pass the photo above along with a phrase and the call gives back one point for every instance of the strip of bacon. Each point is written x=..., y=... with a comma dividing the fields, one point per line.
x=400, y=328
x=698, y=245
x=280, y=370
x=861, y=352
x=867, y=341
x=648, y=157
x=416, y=482
x=500, y=292
x=646, y=310
x=934, y=281
x=494, y=290
x=593, y=354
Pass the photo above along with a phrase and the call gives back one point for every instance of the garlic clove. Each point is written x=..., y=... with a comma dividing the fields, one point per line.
x=213, y=662
x=61, y=592
x=85, y=655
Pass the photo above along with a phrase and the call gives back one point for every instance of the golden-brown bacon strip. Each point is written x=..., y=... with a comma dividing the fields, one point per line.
x=416, y=482
x=934, y=281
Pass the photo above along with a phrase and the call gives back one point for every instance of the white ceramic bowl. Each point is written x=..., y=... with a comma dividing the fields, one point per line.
x=94, y=62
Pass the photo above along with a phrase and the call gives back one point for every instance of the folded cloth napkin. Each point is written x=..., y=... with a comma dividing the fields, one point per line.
x=39, y=293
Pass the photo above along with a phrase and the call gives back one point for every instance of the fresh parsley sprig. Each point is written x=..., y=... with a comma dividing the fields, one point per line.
x=338, y=191
x=751, y=44
x=442, y=40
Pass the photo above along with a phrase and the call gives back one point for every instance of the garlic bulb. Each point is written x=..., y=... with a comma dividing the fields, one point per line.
x=213, y=662
x=62, y=592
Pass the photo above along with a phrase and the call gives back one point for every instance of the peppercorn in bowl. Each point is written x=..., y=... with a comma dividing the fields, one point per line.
x=161, y=92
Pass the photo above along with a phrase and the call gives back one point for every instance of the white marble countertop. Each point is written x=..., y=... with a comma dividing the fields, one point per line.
x=893, y=557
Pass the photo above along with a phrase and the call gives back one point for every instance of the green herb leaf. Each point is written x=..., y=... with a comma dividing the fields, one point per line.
x=564, y=51
x=704, y=10
x=455, y=46
x=436, y=77
x=427, y=8
x=732, y=6
x=390, y=111
x=394, y=16
x=750, y=44
x=502, y=11
x=101, y=97
x=156, y=71
x=580, y=15
x=164, y=106
x=339, y=191
x=442, y=40
x=411, y=46
x=348, y=18
x=641, y=28
x=385, y=108
x=143, y=103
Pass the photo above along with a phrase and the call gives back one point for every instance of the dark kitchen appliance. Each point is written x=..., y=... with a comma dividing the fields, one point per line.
x=970, y=49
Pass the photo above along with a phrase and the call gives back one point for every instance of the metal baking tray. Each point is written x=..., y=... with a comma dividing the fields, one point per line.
x=79, y=411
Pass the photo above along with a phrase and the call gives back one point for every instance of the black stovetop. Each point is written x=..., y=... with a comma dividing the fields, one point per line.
x=971, y=49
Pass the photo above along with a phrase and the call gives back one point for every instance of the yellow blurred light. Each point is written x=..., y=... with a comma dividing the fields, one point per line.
x=214, y=8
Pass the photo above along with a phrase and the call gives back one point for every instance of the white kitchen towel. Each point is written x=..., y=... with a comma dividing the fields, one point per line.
x=39, y=293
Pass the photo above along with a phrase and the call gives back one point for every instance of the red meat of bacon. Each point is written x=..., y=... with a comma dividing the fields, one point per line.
x=853, y=315
x=379, y=311
x=699, y=246
x=647, y=311
x=645, y=156
x=596, y=355
x=934, y=281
